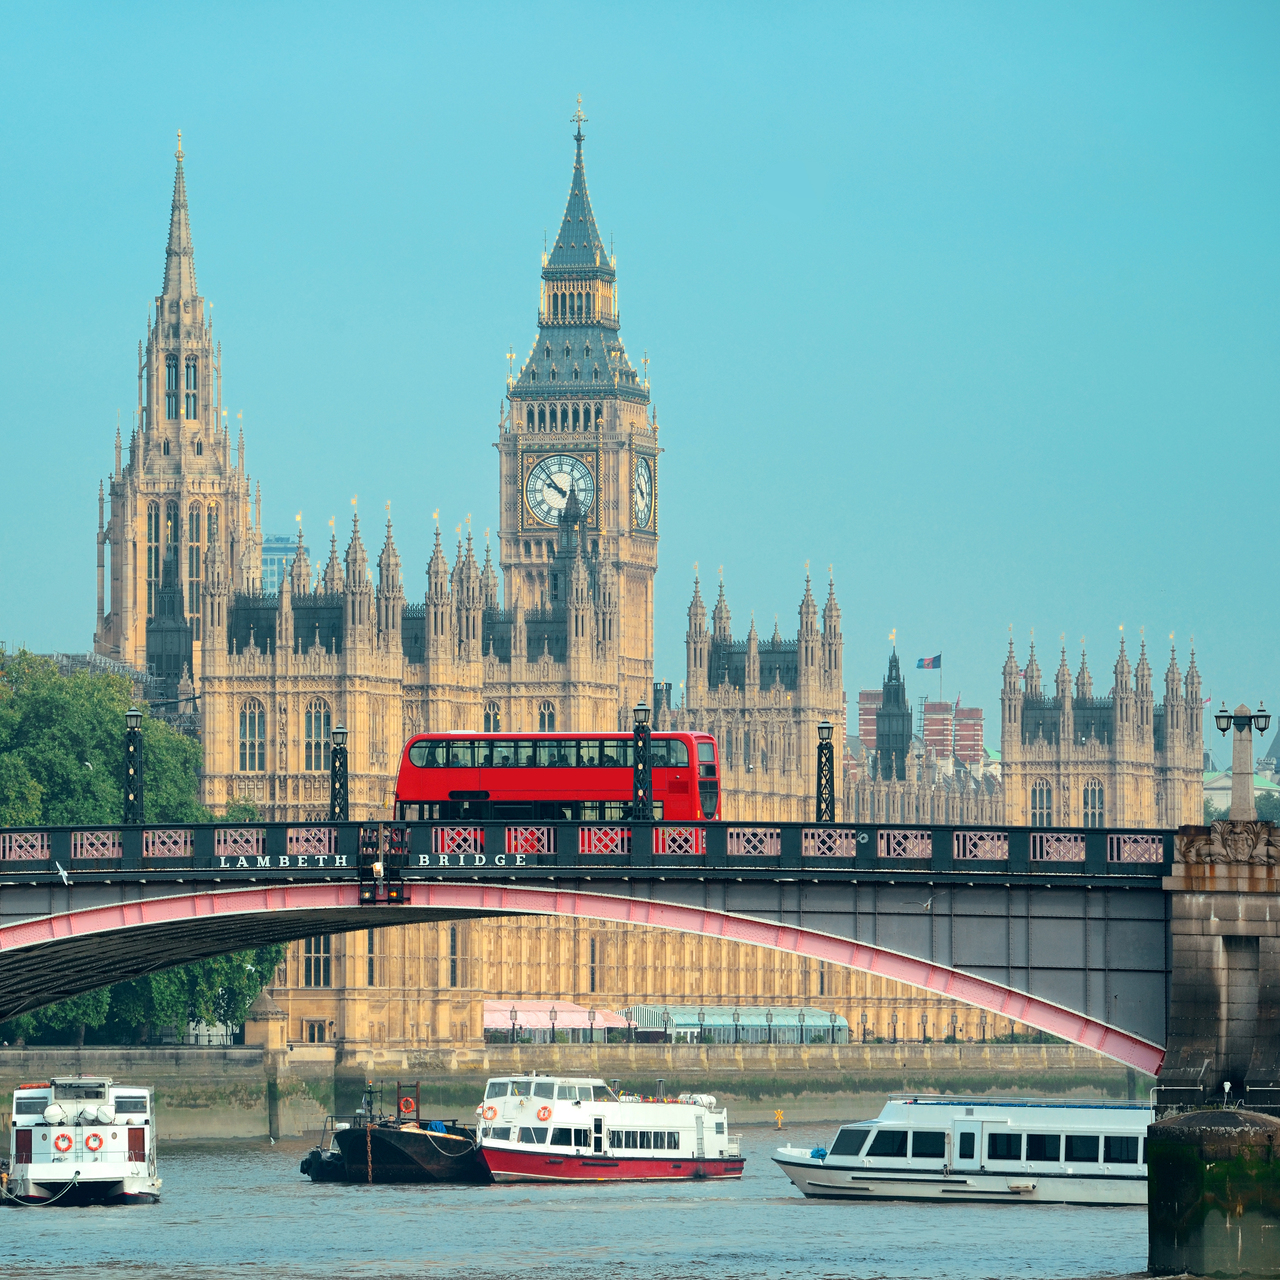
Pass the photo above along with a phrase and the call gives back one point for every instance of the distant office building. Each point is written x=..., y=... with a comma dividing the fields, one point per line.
x=277, y=555
x=869, y=701
x=968, y=735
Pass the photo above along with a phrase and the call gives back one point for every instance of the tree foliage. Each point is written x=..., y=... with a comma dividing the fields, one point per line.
x=62, y=764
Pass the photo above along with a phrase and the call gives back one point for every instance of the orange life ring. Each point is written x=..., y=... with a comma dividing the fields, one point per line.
x=491, y=1113
x=407, y=1105
x=93, y=1142
x=63, y=1142
x=544, y=1113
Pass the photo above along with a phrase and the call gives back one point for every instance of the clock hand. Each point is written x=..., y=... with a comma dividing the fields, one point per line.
x=564, y=493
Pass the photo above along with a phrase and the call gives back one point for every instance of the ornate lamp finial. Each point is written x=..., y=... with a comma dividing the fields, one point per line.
x=579, y=119
x=177, y=155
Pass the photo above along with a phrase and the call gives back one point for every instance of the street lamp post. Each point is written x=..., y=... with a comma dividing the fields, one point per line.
x=338, y=775
x=894, y=1020
x=982, y=1022
x=552, y=1015
x=591, y=1023
x=801, y=1017
x=768, y=1020
x=1244, y=722
x=864, y=1026
x=924, y=1028
x=737, y=1018
x=833, y=1026
x=702, y=1023
x=642, y=767
x=666, y=1024
x=514, y=1015
x=133, y=767
x=826, y=773
x=954, y=1037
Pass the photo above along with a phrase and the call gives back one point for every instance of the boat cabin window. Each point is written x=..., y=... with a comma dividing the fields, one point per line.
x=849, y=1142
x=929, y=1145
x=544, y=1089
x=1120, y=1150
x=78, y=1092
x=719, y=1126
x=966, y=1146
x=520, y=1088
x=602, y=1093
x=1043, y=1146
x=502, y=1132
x=131, y=1106
x=567, y=1092
x=1004, y=1146
x=888, y=1142
x=497, y=1089
x=1081, y=1150
x=30, y=1105
x=536, y=1135
x=562, y=1137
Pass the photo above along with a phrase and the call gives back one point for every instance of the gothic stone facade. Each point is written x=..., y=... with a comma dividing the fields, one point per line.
x=1070, y=759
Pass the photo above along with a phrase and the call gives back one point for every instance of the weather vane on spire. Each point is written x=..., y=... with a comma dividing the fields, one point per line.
x=579, y=119
x=178, y=154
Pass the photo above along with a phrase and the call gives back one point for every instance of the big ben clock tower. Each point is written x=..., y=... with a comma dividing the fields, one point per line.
x=580, y=423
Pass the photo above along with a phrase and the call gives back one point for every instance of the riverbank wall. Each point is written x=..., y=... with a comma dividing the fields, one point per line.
x=244, y=1093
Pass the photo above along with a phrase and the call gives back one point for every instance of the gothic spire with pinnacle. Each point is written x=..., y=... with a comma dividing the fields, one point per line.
x=180, y=261
x=578, y=243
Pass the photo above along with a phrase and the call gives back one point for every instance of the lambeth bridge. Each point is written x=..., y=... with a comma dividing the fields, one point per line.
x=1130, y=942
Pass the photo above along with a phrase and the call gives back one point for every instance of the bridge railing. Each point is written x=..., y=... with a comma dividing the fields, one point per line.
x=434, y=849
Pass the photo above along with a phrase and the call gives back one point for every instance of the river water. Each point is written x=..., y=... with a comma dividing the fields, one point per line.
x=243, y=1210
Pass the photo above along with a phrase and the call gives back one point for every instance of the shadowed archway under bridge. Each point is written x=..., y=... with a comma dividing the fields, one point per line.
x=59, y=940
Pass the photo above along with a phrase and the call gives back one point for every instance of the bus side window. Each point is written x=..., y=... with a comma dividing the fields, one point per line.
x=461, y=755
x=678, y=754
x=706, y=759
x=525, y=755
x=504, y=754
x=658, y=753
x=484, y=754
x=548, y=753
x=627, y=753
x=589, y=754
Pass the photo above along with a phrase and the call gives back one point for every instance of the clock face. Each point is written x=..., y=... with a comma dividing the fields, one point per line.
x=549, y=484
x=644, y=492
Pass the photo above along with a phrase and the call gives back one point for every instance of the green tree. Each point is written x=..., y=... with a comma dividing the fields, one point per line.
x=1268, y=806
x=1212, y=813
x=20, y=794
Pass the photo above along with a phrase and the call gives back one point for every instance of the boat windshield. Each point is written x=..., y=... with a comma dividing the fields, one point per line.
x=849, y=1142
x=602, y=1093
x=544, y=1089
x=567, y=1092
x=521, y=1088
x=497, y=1089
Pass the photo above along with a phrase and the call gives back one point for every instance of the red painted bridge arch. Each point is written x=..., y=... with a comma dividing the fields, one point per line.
x=99, y=944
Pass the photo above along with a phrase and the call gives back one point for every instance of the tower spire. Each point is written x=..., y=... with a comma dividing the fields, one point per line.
x=180, y=262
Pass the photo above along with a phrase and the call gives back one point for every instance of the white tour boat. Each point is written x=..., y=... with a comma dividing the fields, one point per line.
x=80, y=1140
x=928, y=1147
x=578, y=1129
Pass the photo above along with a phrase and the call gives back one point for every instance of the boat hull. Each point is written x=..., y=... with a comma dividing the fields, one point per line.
x=104, y=1191
x=387, y=1153
x=827, y=1180
x=511, y=1164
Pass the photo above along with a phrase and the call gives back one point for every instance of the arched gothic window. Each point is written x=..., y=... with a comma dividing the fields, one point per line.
x=199, y=448
x=587, y=351
x=576, y=375
x=575, y=409
x=555, y=306
x=1041, y=803
x=599, y=413
x=548, y=351
x=528, y=417
x=547, y=718
x=171, y=521
x=567, y=352
x=1093, y=803
x=153, y=556
x=170, y=388
x=492, y=718
x=316, y=724
x=564, y=417
x=553, y=373
x=542, y=417
x=165, y=447
x=253, y=736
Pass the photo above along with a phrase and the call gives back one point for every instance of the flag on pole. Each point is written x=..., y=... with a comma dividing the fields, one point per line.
x=930, y=664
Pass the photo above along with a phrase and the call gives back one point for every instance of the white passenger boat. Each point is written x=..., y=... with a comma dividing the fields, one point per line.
x=79, y=1140
x=578, y=1129
x=923, y=1147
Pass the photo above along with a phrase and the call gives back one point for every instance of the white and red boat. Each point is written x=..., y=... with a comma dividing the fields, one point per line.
x=578, y=1129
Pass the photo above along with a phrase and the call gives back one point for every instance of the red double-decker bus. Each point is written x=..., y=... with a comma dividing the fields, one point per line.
x=557, y=777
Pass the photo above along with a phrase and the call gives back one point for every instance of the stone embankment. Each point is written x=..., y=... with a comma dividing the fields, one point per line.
x=286, y=1091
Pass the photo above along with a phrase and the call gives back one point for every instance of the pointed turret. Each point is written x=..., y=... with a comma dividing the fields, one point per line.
x=333, y=580
x=775, y=641
x=488, y=578
x=180, y=261
x=1032, y=674
x=1084, y=681
x=1062, y=680
x=893, y=724
x=578, y=243
x=751, y=678
x=1174, y=707
x=1194, y=706
x=300, y=569
x=468, y=603
x=357, y=591
x=1144, y=699
x=439, y=602
x=284, y=615
x=720, y=620
x=390, y=593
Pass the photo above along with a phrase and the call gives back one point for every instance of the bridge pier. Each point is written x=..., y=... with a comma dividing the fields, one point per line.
x=1224, y=966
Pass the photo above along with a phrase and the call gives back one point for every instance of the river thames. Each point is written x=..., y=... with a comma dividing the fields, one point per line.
x=236, y=1209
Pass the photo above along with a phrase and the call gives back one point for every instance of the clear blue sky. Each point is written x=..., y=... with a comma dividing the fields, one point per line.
x=976, y=302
